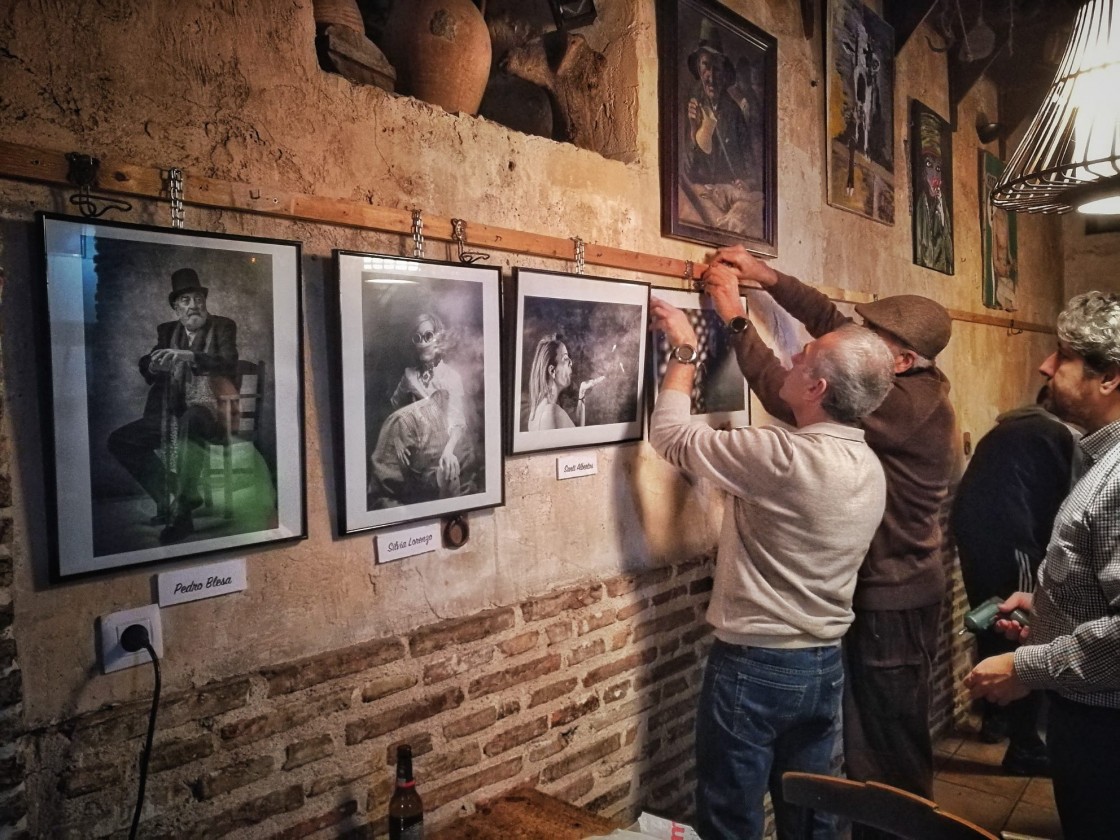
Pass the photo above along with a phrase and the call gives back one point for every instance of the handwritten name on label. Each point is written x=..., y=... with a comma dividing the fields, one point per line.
x=575, y=466
x=407, y=543
x=184, y=585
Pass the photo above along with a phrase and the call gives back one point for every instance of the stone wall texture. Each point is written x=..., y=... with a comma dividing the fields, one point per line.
x=562, y=645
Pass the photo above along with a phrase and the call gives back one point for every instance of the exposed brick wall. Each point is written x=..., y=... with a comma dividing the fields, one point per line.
x=588, y=693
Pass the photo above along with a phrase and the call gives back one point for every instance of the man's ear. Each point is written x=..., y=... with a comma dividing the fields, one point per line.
x=1110, y=380
x=904, y=360
x=818, y=389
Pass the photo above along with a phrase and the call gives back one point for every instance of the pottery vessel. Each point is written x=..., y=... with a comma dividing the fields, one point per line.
x=441, y=51
x=341, y=12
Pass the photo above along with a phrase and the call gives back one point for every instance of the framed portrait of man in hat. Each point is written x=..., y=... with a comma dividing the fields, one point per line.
x=718, y=93
x=174, y=393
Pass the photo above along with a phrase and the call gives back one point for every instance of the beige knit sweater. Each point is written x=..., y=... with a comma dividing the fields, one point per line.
x=803, y=506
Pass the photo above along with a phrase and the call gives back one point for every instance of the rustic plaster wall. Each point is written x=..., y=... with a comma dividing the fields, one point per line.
x=1092, y=261
x=232, y=90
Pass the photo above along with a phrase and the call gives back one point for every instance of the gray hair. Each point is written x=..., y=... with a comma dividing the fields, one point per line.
x=859, y=371
x=1090, y=325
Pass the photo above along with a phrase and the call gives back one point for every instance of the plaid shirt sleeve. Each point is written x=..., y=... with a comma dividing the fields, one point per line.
x=1074, y=646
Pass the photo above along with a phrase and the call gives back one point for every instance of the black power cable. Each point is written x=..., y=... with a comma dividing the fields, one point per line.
x=134, y=638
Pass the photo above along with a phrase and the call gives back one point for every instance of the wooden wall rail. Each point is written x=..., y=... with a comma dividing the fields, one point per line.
x=115, y=177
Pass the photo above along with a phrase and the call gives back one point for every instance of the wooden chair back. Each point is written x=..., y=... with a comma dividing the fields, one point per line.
x=879, y=806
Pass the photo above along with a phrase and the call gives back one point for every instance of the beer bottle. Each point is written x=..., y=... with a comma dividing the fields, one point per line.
x=406, y=811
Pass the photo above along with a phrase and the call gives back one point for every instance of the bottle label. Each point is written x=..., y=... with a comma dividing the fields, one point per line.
x=406, y=828
x=413, y=832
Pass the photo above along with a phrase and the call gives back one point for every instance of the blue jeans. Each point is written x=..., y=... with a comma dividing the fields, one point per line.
x=763, y=712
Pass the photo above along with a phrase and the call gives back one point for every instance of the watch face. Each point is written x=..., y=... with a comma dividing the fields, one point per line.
x=737, y=325
x=685, y=354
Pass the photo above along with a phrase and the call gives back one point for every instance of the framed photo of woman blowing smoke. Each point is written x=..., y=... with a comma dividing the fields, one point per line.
x=718, y=89
x=579, y=355
x=419, y=362
x=175, y=396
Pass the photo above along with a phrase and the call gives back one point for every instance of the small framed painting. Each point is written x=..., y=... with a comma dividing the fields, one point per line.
x=719, y=116
x=720, y=396
x=174, y=381
x=859, y=80
x=931, y=171
x=579, y=355
x=418, y=356
x=999, y=241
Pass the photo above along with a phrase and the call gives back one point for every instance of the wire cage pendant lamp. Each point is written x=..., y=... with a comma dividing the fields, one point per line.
x=1069, y=158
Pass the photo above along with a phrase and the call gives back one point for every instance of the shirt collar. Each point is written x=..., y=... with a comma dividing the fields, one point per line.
x=1101, y=441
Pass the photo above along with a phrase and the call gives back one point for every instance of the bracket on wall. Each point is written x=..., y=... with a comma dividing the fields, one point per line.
x=82, y=173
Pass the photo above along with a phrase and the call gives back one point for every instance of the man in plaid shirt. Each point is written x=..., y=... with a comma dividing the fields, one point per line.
x=1072, y=648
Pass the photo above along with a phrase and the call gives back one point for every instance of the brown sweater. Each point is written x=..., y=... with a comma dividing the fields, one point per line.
x=914, y=434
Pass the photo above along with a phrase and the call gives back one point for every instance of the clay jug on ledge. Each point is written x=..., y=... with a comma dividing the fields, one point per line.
x=441, y=51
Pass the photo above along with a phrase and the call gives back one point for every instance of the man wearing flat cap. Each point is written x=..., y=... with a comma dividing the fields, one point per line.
x=890, y=647
x=193, y=362
x=723, y=183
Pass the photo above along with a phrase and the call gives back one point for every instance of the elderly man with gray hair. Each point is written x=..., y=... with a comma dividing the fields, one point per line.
x=803, y=506
x=1072, y=648
x=890, y=649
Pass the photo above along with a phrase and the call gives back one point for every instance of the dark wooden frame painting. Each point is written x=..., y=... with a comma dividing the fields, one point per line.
x=931, y=188
x=999, y=241
x=859, y=101
x=718, y=126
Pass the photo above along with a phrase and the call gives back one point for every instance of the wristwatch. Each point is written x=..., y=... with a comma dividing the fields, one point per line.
x=737, y=325
x=686, y=354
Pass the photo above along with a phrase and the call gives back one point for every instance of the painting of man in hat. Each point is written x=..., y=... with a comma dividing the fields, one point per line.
x=193, y=361
x=722, y=185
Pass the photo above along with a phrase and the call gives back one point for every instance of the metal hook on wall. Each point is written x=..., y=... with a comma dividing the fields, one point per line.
x=82, y=173
x=694, y=282
x=579, y=254
x=458, y=234
x=1011, y=329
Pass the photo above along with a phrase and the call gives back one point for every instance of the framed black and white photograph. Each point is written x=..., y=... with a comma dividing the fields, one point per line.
x=718, y=90
x=175, y=393
x=579, y=356
x=720, y=396
x=420, y=370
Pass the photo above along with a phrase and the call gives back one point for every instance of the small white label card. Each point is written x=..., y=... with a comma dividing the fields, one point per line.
x=200, y=582
x=576, y=466
x=396, y=545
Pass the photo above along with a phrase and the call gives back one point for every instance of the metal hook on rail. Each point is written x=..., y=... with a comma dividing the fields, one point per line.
x=458, y=234
x=82, y=173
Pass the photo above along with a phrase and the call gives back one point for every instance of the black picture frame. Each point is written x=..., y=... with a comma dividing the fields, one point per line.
x=719, y=163
x=602, y=326
x=400, y=401
x=721, y=397
x=132, y=387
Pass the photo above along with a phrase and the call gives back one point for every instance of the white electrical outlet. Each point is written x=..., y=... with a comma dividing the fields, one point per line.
x=113, y=656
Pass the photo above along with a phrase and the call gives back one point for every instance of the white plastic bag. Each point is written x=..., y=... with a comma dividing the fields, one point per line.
x=649, y=827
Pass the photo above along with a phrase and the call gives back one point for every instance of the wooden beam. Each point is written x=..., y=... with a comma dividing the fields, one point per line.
x=120, y=178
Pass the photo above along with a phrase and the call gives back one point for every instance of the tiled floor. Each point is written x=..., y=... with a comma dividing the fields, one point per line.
x=971, y=784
